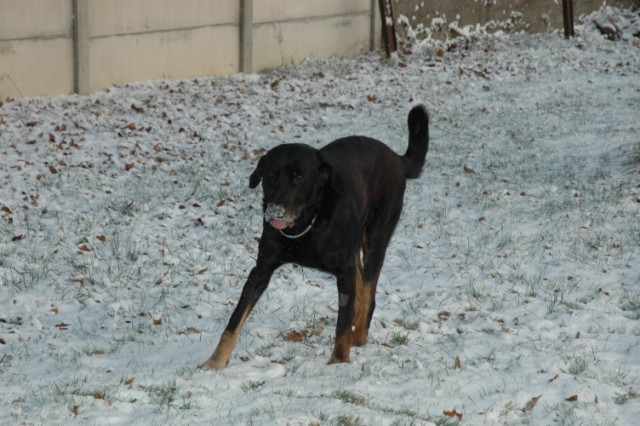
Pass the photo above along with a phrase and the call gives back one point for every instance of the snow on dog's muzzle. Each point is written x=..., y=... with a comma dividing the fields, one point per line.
x=278, y=217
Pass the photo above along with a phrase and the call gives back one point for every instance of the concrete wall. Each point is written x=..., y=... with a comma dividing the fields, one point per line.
x=36, y=47
x=45, y=51
x=530, y=15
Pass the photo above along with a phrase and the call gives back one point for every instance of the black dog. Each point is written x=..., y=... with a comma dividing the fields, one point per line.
x=333, y=209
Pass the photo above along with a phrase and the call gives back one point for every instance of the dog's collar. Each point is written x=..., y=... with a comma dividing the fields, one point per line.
x=295, y=237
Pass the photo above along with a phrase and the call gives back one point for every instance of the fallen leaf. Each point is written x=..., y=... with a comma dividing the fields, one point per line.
x=131, y=126
x=295, y=336
x=444, y=315
x=532, y=403
x=468, y=169
x=128, y=166
x=17, y=238
x=457, y=363
x=452, y=413
x=572, y=398
x=101, y=238
x=554, y=378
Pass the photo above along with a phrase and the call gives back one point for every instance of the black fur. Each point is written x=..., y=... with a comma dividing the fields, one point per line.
x=345, y=201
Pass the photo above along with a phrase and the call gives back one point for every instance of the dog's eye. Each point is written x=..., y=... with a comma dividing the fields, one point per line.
x=297, y=178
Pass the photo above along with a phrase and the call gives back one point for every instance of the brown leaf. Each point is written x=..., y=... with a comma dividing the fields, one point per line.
x=295, y=336
x=452, y=413
x=136, y=109
x=101, y=238
x=440, y=53
x=554, y=378
x=31, y=123
x=52, y=170
x=131, y=126
x=372, y=98
x=399, y=322
x=532, y=403
x=17, y=238
x=62, y=326
x=572, y=398
x=444, y=315
x=468, y=169
x=457, y=363
x=52, y=138
x=128, y=166
x=84, y=248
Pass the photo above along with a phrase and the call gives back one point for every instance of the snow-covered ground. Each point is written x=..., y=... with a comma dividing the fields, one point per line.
x=511, y=289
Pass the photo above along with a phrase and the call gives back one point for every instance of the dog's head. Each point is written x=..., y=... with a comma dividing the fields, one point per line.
x=293, y=177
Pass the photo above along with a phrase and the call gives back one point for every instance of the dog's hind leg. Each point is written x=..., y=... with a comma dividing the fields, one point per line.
x=254, y=287
x=362, y=304
x=375, y=240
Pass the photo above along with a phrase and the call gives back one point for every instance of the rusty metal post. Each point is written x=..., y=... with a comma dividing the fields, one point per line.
x=567, y=16
x=388, y=27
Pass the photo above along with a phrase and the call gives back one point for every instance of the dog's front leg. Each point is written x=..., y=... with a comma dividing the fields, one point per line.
x=254, y=287
x=346, y=300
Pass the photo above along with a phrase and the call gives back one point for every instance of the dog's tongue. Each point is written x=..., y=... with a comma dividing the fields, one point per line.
x=278, y=224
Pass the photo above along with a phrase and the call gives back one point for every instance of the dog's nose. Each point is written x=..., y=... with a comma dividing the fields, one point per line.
x=275, y=211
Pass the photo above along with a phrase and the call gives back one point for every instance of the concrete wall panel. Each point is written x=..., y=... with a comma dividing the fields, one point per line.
x=175, y=54
x=36, y=67
x=140, y=16
x=283, y=43
x=35, y=18
x=287, y=10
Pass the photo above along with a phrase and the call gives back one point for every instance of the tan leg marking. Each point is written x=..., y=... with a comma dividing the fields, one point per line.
x=361, y=306
x=220, y=357
x=342, y=349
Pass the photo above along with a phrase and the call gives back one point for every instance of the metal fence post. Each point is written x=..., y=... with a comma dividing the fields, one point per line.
x=567, y=15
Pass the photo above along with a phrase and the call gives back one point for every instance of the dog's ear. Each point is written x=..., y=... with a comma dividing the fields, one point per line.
x=256, y=176
x=329, y=175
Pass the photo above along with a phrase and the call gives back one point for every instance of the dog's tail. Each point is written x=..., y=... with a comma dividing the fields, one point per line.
x=416, y=153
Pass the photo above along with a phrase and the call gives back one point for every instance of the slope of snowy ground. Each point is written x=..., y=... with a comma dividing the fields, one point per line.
x=511, y=289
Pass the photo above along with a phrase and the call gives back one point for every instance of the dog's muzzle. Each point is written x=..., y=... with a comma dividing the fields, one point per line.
x=278, y=217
